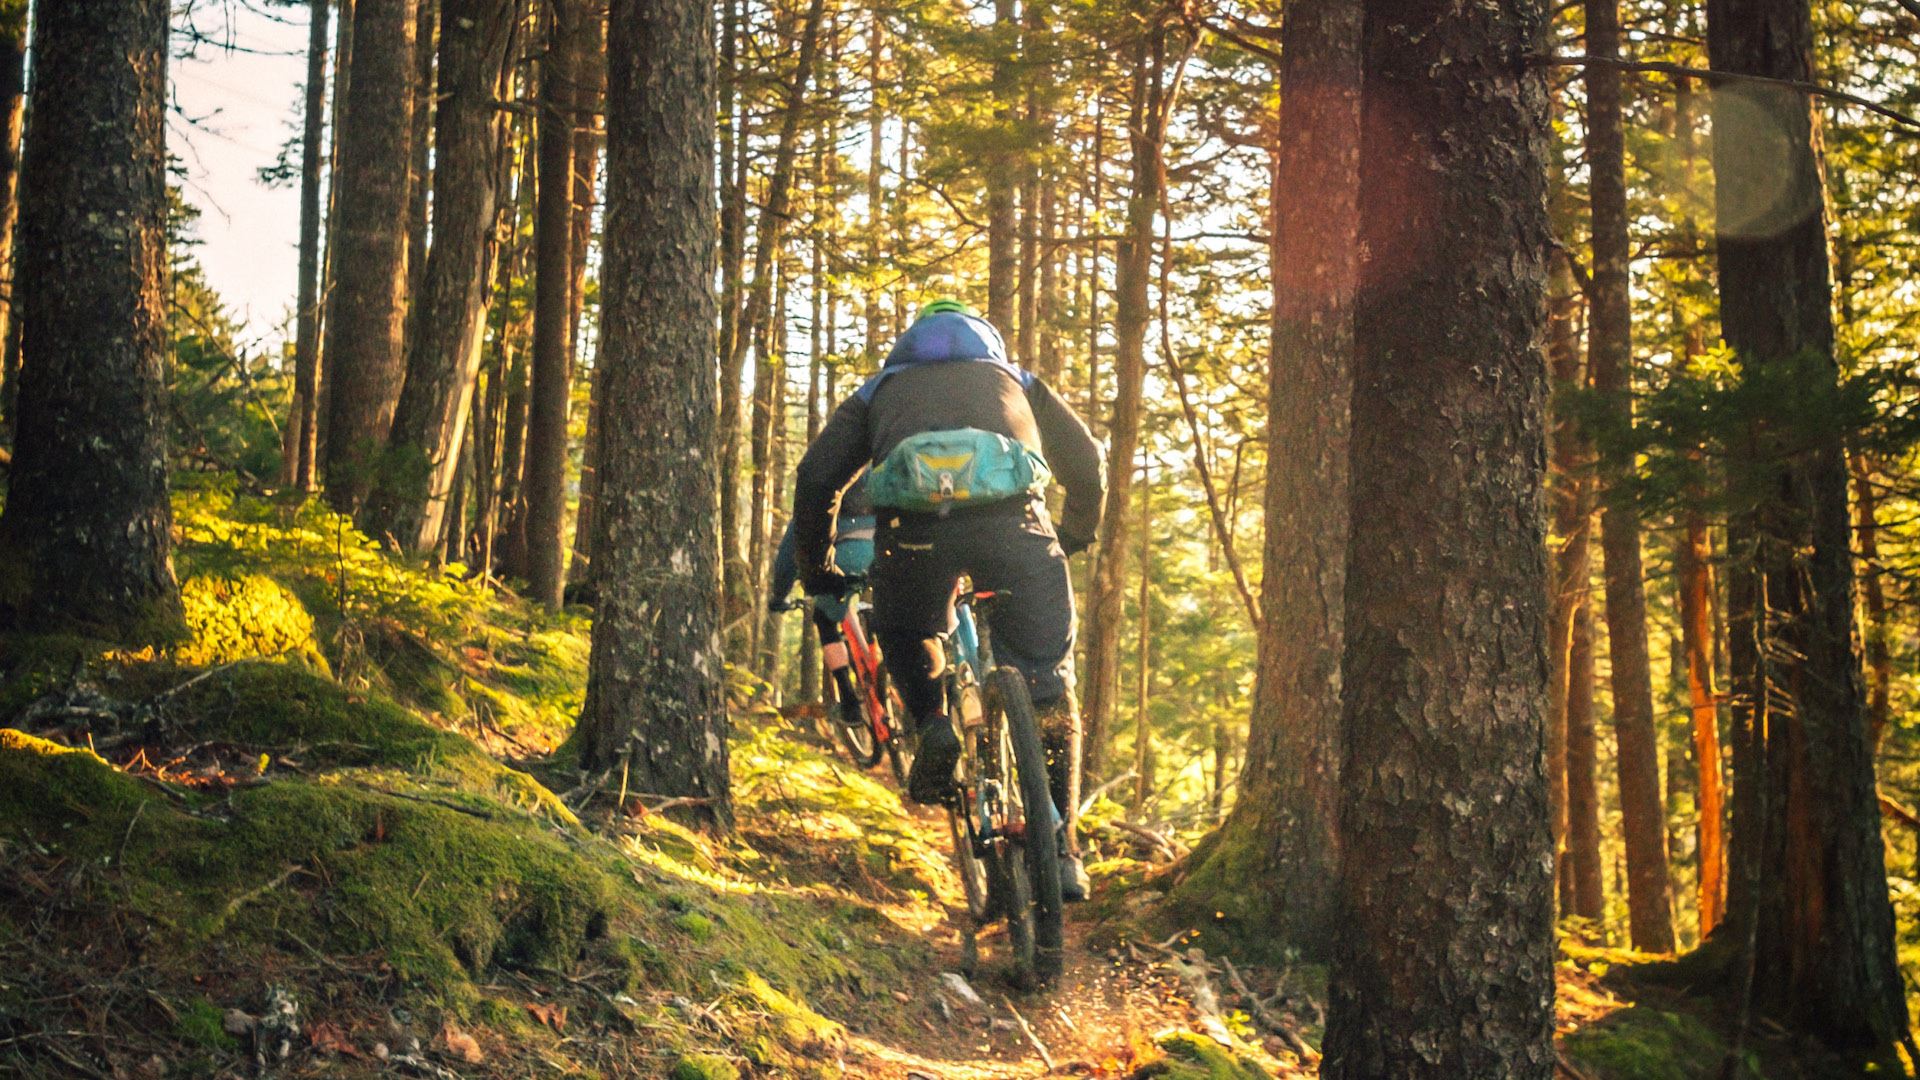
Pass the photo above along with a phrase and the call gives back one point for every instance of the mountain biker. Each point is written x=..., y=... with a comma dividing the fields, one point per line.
x=961, y=442
x=853, y=554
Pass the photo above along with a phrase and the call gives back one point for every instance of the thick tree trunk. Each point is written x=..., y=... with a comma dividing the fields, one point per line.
x=1584, y=873
x=1610, y=359
x=409, y=503
x=1281, y=842
x=1153, y=95
x=303, y=424
x=1820, y=923
x=85, y=535
x=654, y=688
x=544, y=516
x=366, y=311
x=1446, y=953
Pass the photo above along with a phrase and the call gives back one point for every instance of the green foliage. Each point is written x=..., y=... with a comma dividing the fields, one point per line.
x=238, y=618
x=704, y=1067
x=1645, y=1043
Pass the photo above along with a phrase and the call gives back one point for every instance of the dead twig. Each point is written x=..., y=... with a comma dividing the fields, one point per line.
x=1027, y=1030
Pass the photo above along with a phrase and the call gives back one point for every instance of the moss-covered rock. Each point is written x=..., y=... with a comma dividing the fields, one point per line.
x=1645, y=1043
x=276, y=706
x=1195, y=1057
x=704, y=1067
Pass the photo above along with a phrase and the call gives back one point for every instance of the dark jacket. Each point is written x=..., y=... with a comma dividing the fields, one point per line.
x=945, y=374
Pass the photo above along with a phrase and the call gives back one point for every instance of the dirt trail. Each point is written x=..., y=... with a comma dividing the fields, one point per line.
x=1103, y=1018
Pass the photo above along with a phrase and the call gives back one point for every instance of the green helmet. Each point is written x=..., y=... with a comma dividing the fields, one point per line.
x=943, y=306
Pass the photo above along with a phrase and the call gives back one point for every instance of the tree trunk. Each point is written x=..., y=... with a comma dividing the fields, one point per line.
x=13, y=111
x=330, y=247
x=544, y=513
x=654, y=689
x=1153, y=95
x=1002, y=172
x=409, y=503
x=1143, y=659
x=1589, y=900
x=1874, y=593
x=366, y=311
x=1281, y=842
x=85, y=534
x=589, y=138
x=1571, y=496
x=1609, y=359
x=1820, y=924
x=303, y=423
x=733, y=228
x=1693, y=564
x=1445, y=961
x=419, y=181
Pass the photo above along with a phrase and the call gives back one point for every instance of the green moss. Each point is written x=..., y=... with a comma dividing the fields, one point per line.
x=236, y=618
x=1195, y=1057
x=264, y=705
x=697, y=926
x=1643, y=1043
x=201, y=1023
x=704, y=1067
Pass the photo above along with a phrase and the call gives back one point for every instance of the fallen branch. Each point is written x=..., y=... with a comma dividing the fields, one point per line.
x=1265, y=1017
x=1166, y=846
x=234, y=905
x=1027, y=1029
x=1086, y=804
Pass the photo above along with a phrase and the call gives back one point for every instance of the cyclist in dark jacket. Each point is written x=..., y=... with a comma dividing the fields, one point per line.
x=949, y=372
x=853, y=553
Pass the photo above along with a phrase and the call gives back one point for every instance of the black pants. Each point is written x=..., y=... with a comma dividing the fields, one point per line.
x=1008, y=548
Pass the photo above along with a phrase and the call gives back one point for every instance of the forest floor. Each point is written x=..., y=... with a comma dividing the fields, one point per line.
x=335, y=834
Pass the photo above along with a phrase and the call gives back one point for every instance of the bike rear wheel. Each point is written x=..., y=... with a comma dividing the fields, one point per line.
x=855, y=729
x=1035, y=906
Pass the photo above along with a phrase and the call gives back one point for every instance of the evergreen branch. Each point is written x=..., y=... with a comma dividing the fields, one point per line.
x=1712, y=77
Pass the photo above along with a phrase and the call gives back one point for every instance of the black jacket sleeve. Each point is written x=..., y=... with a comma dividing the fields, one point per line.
x=837, y=455
x=1077, y=460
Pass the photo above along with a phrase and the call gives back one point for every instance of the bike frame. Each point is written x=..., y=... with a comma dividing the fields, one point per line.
x=865, y=659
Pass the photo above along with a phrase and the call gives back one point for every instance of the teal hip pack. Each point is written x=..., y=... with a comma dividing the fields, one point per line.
x=937, y=470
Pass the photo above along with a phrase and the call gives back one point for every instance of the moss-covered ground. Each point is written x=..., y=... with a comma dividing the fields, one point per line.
x=330, y=833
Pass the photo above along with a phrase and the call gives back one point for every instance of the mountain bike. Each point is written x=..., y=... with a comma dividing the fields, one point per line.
x=867, y=724
x=1006, y=830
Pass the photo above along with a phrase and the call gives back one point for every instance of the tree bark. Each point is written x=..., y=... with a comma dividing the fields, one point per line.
x=1866, y=502
x=304, y=422
x=588, y=141
x=410, y=499
x=1693, y=563
x=1820, y=924
x=85, y=535
x=733, y=227
x=1571, y=496
x=1153, y=97
x=1589, y=900
x=544, y=513
x=1002, y=165
x=13, y=112
x=366, y=311
x=419, y=183
x=1281, y=841
x=654, y=690
x=1610, y=359
x=1445, y=960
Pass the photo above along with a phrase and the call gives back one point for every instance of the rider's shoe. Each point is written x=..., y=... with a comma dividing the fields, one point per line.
x=1075, y=885
x=931, y=780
